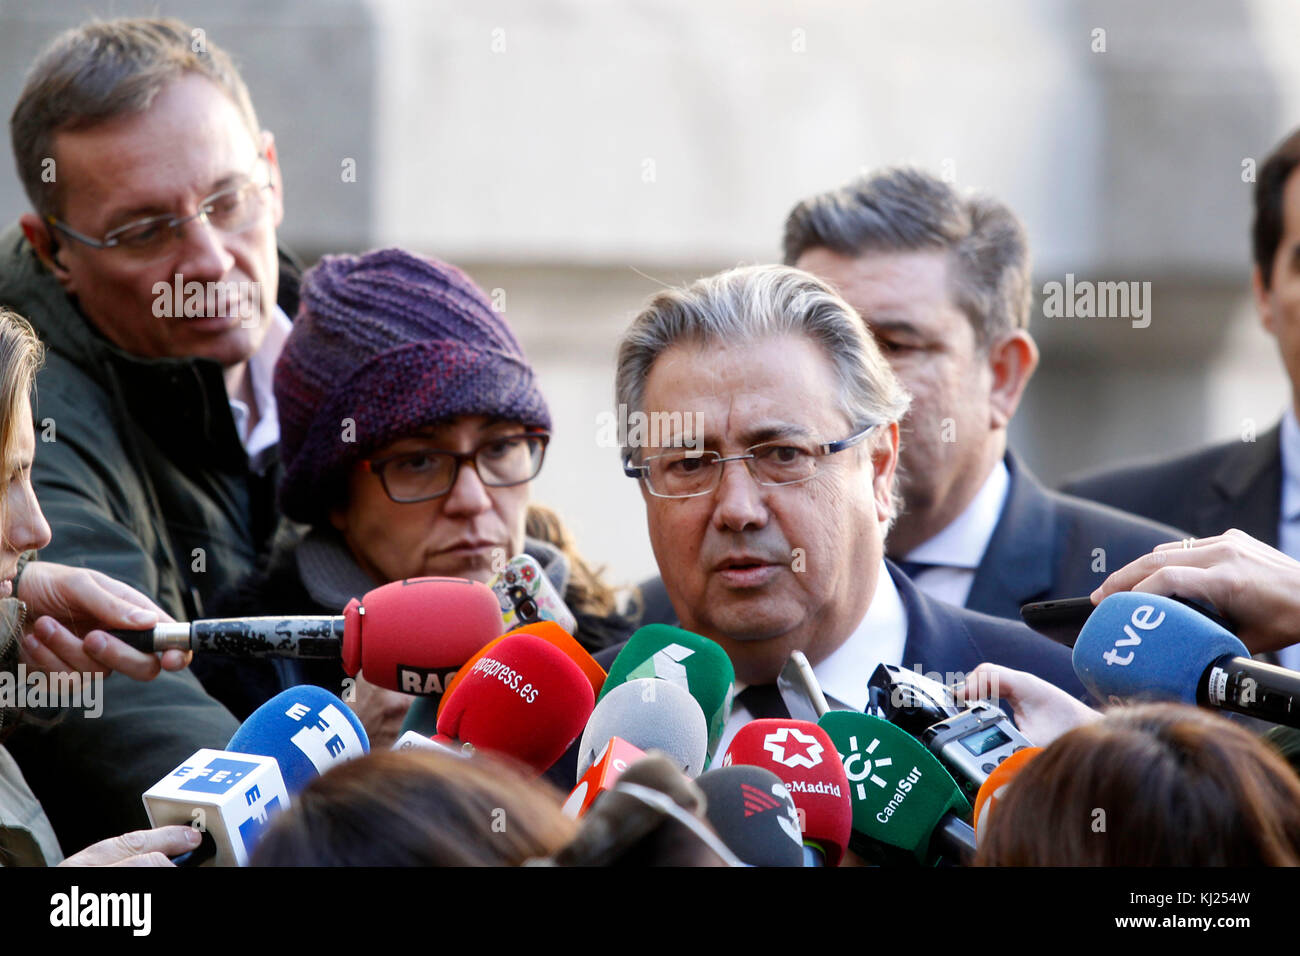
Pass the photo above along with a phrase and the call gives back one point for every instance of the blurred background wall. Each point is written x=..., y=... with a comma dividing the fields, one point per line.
x=574, y=155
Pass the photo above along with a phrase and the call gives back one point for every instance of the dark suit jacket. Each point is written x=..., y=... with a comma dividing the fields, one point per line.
x=1234, y=485
x=1041, y=549
x=941, y=639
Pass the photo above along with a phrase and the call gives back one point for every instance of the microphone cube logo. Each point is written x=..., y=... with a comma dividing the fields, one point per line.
x=791, y=747
x=217, y=777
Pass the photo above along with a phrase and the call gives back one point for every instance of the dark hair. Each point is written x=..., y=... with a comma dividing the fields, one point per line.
x=910, y=210
x=1149, y=785
x=417, y=808
x=1270, y=217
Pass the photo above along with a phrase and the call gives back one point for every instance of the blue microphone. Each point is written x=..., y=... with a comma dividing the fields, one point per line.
x=306, y=729
x=1137, y=647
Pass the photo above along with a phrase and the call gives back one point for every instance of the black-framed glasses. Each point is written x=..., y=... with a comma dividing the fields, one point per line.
x=685, y=473
x=232, y=210
x=431, y=472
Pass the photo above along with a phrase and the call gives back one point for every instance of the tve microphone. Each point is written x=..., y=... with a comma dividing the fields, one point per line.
x=803, y=756
x=526, y=698
x=550, y=632
x=1148, y=647
x=753, y=812
x=306, y=729
x=991, y=792
x=696, y=664
x=229, y=796
x=906, y=806
x=609, y=765
x=652, y=715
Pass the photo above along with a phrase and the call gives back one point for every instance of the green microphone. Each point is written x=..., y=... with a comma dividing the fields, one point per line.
x=696, y=664
x=907, y=808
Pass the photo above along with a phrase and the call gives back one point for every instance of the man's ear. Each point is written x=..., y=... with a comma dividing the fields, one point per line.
x=42, y=240
x=884, y=462
x=1012, y=361
x=277, y=184
x=1263, y=300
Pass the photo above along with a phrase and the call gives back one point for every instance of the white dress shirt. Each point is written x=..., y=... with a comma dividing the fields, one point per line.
x=878, y=639
x=957, y=550
x=1288, y=531
x=261, y=375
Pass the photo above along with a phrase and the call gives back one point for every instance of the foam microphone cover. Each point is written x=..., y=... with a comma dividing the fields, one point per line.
x=306, y=729
x=411, y=636
x=650, y=714
x=694, y=663
x=526, y=698
x=1148, y=647
x=803, y=756
x=550, y=632
x=992, y=790
x=753, y=812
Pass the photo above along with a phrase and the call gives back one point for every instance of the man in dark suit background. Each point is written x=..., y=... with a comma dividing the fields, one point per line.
x=767, y=472
x=1252, y=484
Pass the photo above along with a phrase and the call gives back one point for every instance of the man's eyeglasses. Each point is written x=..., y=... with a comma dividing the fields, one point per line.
x=232, y=210
x=684, y=473
x=430, y=473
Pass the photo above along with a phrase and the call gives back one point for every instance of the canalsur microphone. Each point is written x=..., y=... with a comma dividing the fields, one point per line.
x=906, y=808
x=550, y=632
x=306, y=729
x=650, y=714
x=995, y=786
x=803, y=756
x=696, y=664
x=1148, y=647
x=526, y=699
x=753, y=812
x=229, y=796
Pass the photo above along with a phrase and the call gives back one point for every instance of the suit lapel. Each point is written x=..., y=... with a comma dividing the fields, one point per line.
x=934, y=634
x=1017, y=564
x=1246, y=490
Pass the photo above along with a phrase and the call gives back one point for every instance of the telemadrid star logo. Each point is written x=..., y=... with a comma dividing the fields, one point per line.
x=787, y=753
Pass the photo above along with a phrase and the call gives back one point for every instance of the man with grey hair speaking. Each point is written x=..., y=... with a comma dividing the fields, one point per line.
x=769, y=529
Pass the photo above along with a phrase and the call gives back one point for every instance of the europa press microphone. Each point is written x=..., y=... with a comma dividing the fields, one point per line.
x=906, y=808
x=696, y=664
x=1138, y=646
x=526, y=699
x=409, y=636
x=803, y=756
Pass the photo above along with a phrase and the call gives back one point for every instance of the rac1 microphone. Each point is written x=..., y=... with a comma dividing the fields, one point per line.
x=907, y=808
x=650, y=714
x=306, y=729
x=526, y=699
x=696, y=664
x=991, y=792
x=1148, y=647
x=803, y=756
x=753, y=812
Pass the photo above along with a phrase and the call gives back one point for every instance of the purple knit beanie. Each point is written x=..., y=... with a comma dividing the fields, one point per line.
x=384, y=344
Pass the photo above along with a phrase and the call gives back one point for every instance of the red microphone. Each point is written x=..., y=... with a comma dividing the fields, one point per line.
x=526, y=698
x=609, y=765
x=802, y=755
x=412, y=636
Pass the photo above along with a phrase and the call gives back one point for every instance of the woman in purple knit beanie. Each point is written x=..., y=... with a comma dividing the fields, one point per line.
x=411, y=425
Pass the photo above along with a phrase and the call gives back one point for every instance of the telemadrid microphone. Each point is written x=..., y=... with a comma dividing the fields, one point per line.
x=651, y=714
x=306, y=729
x=550, y=632
x=995, y=786
x=409, y=636
x=696, y=664
x=1148, y=647
x=753, y=812
x=906, y=808
x=526, y=699
x=229, y=796
x=803, y=756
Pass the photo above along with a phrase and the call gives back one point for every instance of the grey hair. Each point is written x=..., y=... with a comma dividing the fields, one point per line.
x=757, y=302
x=910, y=210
